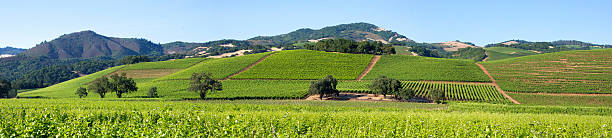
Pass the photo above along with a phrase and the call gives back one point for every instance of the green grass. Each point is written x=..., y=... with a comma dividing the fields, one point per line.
x=557, y=100
x=66, y=89
x=404, y=67
x=578, y=71
x=96, y=118
x=232, y=89
x=171, y=64
x=220, y=68
x=307, y=64
x=497, y=53
x=402, y=50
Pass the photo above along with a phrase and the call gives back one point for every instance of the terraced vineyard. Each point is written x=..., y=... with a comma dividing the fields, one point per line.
x=220, y=68
x=307, y=64
x=453, y=91
x=562, y=100
x=497, y=53
x=170, y=64
x=405, y=67
x=580, y=71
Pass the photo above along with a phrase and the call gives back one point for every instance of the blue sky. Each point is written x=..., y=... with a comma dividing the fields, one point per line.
x=27, y=23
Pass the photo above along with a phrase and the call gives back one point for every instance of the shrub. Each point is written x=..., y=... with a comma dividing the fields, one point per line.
x=404, y=94
x=153, y=92
x=82, y=92
x=383, y=85
x=437, y=95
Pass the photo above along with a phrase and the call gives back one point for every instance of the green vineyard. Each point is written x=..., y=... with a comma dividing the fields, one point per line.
x=453, y=91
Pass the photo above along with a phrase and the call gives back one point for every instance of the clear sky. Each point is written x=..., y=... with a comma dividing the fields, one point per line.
x=25, y=23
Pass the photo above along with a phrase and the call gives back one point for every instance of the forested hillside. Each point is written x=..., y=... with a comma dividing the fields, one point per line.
x=10, y=50
x=353, y=31
x=88, y=44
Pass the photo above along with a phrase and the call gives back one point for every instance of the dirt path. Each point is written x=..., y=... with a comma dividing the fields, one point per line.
x=497, y=86
x=564, y=94
x=248, y=67
x=369, y=68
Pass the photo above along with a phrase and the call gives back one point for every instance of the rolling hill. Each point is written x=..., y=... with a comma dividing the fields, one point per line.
x=353, y=31
x=287, y=74
x=87, y=44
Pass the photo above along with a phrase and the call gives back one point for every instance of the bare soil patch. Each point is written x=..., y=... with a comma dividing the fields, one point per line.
x=237, y=53
x=454, y=45
x=510, y=43
x=354, y=97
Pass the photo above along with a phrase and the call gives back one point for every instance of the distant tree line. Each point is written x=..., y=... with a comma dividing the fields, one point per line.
x=545, y=47
x=476, y=54
x=119, y=84
x=349, y=46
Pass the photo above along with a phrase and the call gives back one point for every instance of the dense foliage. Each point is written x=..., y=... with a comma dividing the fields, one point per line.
x=37, y=72
x=476, y=54
x=424, y=51
x=101, y=86
x=353, y=31
x=545, y=47
x=324, y=87
x=383, y=85
x=11, y=50
x=437, y=95
x=97, y=118
x=350, y=46
x=81, y=92
x=121, y=84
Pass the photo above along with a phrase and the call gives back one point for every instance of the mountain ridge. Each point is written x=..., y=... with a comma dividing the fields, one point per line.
x=88, y=44
x=354, y=31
